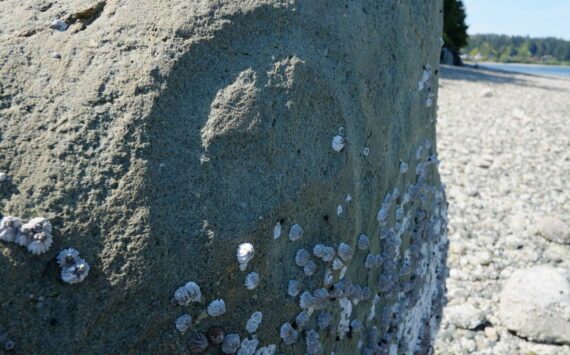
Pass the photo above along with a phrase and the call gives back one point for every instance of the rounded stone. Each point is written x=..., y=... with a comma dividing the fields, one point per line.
x=553, y=229
x=535, y=304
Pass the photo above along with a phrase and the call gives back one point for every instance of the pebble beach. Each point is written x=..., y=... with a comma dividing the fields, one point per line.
x=504, y=146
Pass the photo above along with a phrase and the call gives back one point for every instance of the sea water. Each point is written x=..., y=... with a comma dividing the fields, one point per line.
x=549, y=70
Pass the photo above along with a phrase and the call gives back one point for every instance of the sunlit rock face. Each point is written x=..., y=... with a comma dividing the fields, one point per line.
x=165, y=136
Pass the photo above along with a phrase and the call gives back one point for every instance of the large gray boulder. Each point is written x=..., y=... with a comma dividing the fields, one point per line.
x=535, y=304
x=158, y=136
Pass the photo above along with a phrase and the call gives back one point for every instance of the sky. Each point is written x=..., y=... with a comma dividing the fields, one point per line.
x=536, y=18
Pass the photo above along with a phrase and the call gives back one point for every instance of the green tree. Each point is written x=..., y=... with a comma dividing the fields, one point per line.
x=454, y=27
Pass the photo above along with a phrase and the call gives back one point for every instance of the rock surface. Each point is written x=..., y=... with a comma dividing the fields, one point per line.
x=535, y=303
x=165, y=134
x=464, y=316
x=554, y=229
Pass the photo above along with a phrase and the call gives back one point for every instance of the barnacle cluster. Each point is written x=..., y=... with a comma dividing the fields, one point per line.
x=412, y=216
x=187, y=294
x=73, y=268
x=34, y=235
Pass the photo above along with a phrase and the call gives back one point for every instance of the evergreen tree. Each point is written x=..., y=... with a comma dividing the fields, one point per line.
x=454, y=27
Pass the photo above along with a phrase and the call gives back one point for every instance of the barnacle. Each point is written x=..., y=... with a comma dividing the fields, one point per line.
x=36, y=225
x=231, y=343
x=216, y=308
x=188, y=293
x=328, y=254
x=251, y=280
x=324, y=320
x=75, y=273
x=9, y=227
x=356, y=325
x=338, y=210
x=337, y=264
x=183, y=323
x=198, y=343
x=319, y=250
x=328, y=278
x=248, y=346
x=366, y=151
x=23, y=239
x=307, y=300
x=266, y=350
x=320, y=298
x=67, y=257
x=310, y=268
x=403, y=167
x=295, y=232
x=337, y=143
x=40, y=243
x=399, y=213
x=288, y=334
x=4, y=177
x=370, y=261
x=313, y=344
x=293, y=288
x=363, y=242
x=244, y=255
x=216, y=335
x=277, y=230
x=345, y=252
x=302, y=257
x=302, y=319
x=253, y=322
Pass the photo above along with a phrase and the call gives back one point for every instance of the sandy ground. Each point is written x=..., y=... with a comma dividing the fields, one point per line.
x=504, y=146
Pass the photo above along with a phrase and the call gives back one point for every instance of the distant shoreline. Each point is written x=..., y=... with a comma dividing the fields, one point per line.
x=527, y=69
x=519, y=64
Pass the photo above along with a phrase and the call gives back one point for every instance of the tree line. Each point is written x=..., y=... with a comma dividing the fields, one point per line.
x=518, y=49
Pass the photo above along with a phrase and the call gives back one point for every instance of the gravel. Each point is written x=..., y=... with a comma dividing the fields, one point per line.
x=504, y=144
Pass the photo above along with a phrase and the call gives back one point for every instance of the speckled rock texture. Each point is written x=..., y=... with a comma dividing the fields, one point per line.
x=159, y=136
x=535, y=304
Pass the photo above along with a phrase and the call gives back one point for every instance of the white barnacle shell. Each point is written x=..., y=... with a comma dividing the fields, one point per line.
x=277, y=230
x=40, y=243
x=337, y=143
x=310, y=268
x=302, y=257
x=307, y=300
x=420, y=85
x=345, y=252
x=253, y=322
x=188, y=293
x=403, y=167
x=356, y=325
x=419, y=152
x=183, y=323
x=348, y=198
x=339, y=210
x=313, y=344
x=23, y=239
x=288, y=334
x=337, y=264
x=231, y=343
x=370, y=261
x=75, y=273
x=58, y=25
x=366, y=152
x=363, y=242
x=248, y=346
x=328, y=278
x=302, y=319
x=382, y=215
x=293, y=288
x=67, y=257
x=251, y=280
x=319, y=250
x=296, y=232
x=244, y=255
x=324, y=320
x=400, y=213
x=4, y=177
x=328, y=254
x=37, y=225
x=9, y=227
x=429, y=102
x=266, y=350
x=216, y=308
